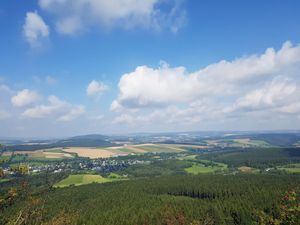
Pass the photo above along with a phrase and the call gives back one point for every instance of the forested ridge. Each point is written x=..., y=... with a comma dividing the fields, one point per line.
x=203, y=199
x=258, y=158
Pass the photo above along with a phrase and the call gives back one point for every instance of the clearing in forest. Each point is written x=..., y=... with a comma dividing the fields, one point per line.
x=80, y=179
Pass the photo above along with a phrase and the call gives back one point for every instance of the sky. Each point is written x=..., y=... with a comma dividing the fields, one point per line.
x=70, y=67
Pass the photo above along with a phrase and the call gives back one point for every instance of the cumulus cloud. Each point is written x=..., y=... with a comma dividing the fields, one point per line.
x=148, y=87
x=76, y=16
x=24, y=98
x=62, y=110
x=35, y=29
x=292, y=108
x=75, y=111
x=96, y=88
x=174, y=115
x=279, y=92
x=257, y=84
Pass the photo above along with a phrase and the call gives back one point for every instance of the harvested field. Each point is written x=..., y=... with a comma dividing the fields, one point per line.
x=41, y=154
x=92, y=153
x=156, y=148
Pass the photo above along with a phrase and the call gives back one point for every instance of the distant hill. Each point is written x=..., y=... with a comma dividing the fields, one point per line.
x=93, y=140
x=276, y=139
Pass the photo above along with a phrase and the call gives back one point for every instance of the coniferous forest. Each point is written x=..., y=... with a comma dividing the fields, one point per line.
x=161, y=192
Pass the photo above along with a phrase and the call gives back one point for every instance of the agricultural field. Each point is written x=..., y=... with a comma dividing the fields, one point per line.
x=158, y=148
x=120, y=150
x=238, y=143
x=199, y=168
x=203, y=166
x=187, y=157
x=247, y=142
x=247, y=169
x=46, y=154
x=291, y=168
x=91, y=153
x=82, y=179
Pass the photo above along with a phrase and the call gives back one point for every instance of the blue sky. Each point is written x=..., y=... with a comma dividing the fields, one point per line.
x=74, y=67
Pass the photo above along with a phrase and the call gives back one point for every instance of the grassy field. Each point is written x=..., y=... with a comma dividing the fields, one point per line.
x=158, y=148
x=91, y=152
x=198, y=168
x=81, y=179
x=291, y=168
x=56, y=150
x=187, y=157
x=247, y=169
x=127, y=150
x=251, y=143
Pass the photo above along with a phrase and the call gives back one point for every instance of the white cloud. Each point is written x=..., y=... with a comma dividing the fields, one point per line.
x=76, y=16
x=292, y=108
x=148, y=87
x=275, y=94
x=55, y=105
x=96, y=88
x=35, y=29
x=192, y=113
x=261, y=87
x=75, y=112
x=24, y=98
x=69, y=26
x=62, y=110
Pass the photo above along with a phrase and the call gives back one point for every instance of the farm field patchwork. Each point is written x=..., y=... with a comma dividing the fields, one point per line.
x=121, y=150
x=43, y=154
x=89, y=152
x=238, y=142
x=251, y=143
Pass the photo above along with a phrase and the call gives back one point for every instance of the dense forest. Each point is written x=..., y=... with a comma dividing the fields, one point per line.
x=160, y=190
x=258, y=158
x=203, y=199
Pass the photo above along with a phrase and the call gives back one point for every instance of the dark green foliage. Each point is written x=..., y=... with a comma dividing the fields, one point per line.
x=276, y=139
x=258, y=158
x=204, y=199
x=157, y=168
x=283, y=140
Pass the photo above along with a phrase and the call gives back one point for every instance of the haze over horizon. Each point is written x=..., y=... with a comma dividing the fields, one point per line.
x=151, y=66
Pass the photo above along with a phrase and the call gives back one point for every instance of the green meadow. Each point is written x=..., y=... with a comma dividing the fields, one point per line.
x=291, y=168
x=82, y=179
